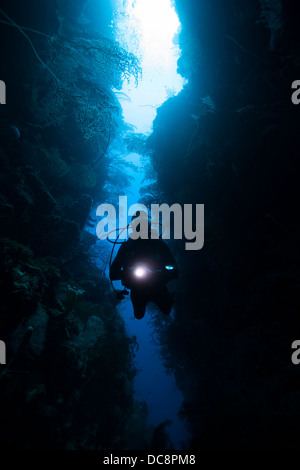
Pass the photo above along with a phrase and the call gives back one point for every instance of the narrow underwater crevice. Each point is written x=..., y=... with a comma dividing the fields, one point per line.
x=227, y=141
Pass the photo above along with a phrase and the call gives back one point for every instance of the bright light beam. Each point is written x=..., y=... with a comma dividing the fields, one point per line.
x=158, y=24
x=140, y=272
x=154, y=23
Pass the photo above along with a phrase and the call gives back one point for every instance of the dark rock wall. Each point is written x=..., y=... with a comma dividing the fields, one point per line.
x=68, y=382
x=229, y=140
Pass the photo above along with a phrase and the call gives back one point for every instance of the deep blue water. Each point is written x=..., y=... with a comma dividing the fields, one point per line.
x=139, y=103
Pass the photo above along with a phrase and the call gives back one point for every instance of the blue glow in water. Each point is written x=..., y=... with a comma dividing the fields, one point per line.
x=169, y=268
x=148, y=29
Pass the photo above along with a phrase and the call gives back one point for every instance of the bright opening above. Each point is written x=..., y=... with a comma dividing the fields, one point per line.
x=158, y=24
x=148, y=28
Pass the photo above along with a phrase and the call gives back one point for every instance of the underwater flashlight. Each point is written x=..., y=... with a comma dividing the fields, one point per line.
x=169, y=267
x=140, y=272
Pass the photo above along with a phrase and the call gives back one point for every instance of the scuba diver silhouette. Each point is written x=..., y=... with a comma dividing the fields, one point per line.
x=145, y=266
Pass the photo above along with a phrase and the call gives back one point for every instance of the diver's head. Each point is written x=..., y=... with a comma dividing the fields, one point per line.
x=141, y=226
